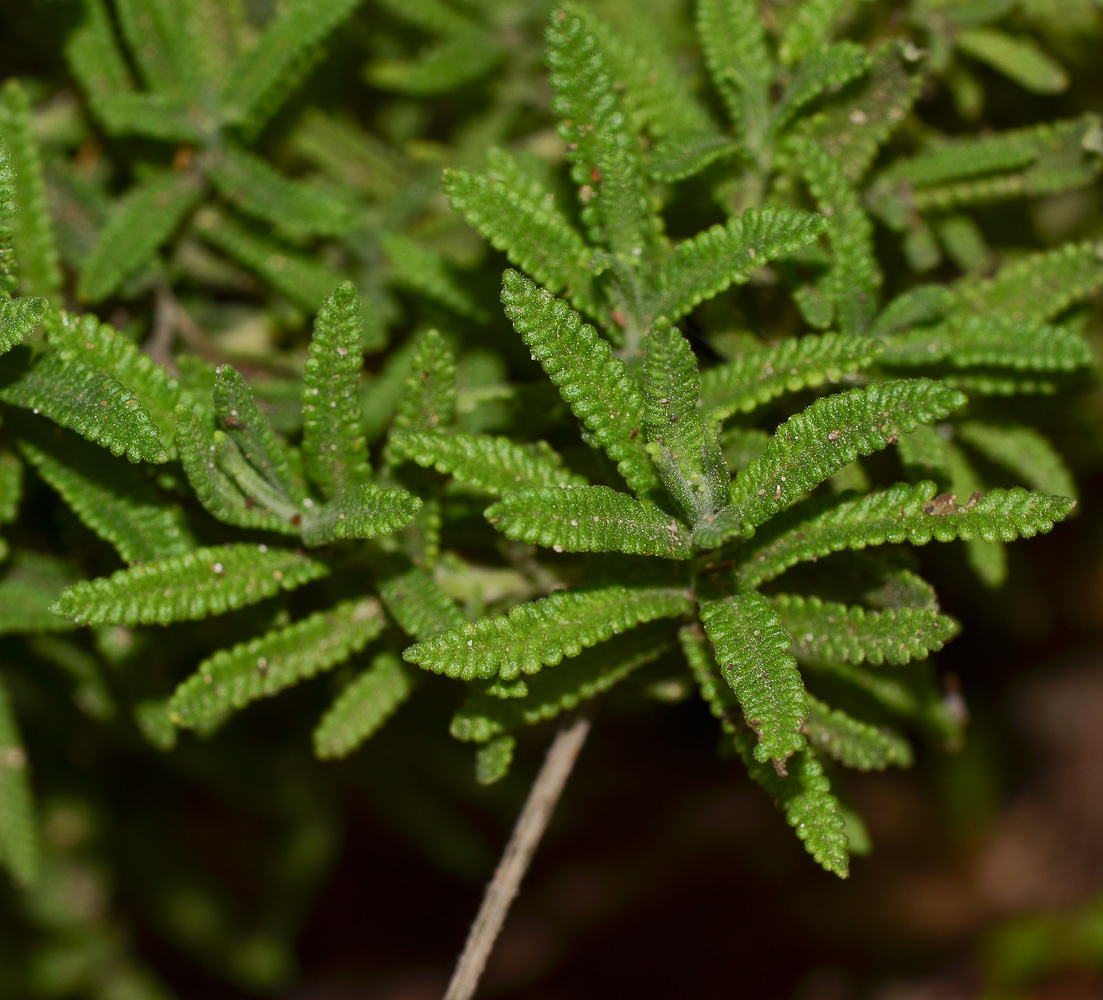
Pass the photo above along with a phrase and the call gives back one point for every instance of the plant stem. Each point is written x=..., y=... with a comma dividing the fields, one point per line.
x=503, y=887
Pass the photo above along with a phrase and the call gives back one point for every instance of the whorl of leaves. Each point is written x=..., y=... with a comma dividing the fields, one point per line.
x=829, y=631
x=204, y=582
x=494, y=465
x=594, y=384
x=264, y=666
x=901, y=513
x=590, y=519
x=541, y=633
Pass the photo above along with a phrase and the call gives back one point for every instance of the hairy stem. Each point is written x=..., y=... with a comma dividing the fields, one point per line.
x=503, y=887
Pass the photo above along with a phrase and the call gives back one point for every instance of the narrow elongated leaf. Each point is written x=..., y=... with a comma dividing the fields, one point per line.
x=749, y=381
x=752, y=649
x=440, y=69
x=602, y=147
x=303, y=279
x=683, y=154
x=590, y=519
x=30, y=584
x=362, y=707
x=855, y=125
x=685, y=450
x=802, y=791
x=828, y=631
x=989, y=341
x=733, y=38
x=484, y=716
x=423, y=270
x=429, y=403
x=902, y=513
x=1022, y=450
x=711, y=261
x=416, y=601
x=852, y=742
x=493, y=759
x=32, y=231
x=828, y=67
x=541, y=633
x=528, y=226
x=111, y=497
x=919, y=305
x=1068, y=274
x=808, y=26
x=295, y=208
x=595, y=384
x=1018, y=58
x=493, y=464
x=18, y=318
x=219, y=493
x=84, y=399
x=93, y=54
x=18, y=833
x=11, y=485
x=247, y=427
x=203, y=582
x=334, y=451
x=262, y=667
x=86, y=340
x=141, y=222
x=363, y=511
x=263, y=77
x=822, y=439
x=157, y=33
x=153, y=116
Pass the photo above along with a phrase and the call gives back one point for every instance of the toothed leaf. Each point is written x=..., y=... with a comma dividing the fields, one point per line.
x=363, y=707
x=18, y=318
x=416, y=601
x=1023, y=451
x=429, y=403
x=203, y=582
x=364, y=511
x=852, y=742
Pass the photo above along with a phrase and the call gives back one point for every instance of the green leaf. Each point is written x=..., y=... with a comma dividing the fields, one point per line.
x=429, y=403
x=685, y=153
x=594, y=671
x=852, y=742
x=602, y=147
x=918, y=305
x=31, y=583
x=152, y=116
x=495, y=465
x=435, y=16
x=84, y=399
x=335, y=454
x=93, y=54
x=142, y=220
x=594, y=384
x=702, y=267
x=493, y=760
x=855, y=125
x=18, y=318
x=416, y=601
x=18, y=832
x=809, y=24
x=1023, y=451
x=160, y=39
x=113, y=498
x=247, y=427
x=11, y=485
x=590, y=519
x=755, y=378
x=853, y=277
x=362, y=707
x=541, y=633
x=525, y=223
x=32, y=231
x=264, y=76
x=1019, y=59
x=85, y=340
x=899, y=514
x=203, y=582
x=801, y=789
x=262, y=667
x=363, y=511
x=1068, y=274
x=825, y=68
x=205, y=465
x=440, y=69
x=989, y=341
x=425, y=271
x=828, y=631
x=296, y=209
x=752, y=649
x=733, y=38
x=817, y=442
x=303, y=279
x=685, y=451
